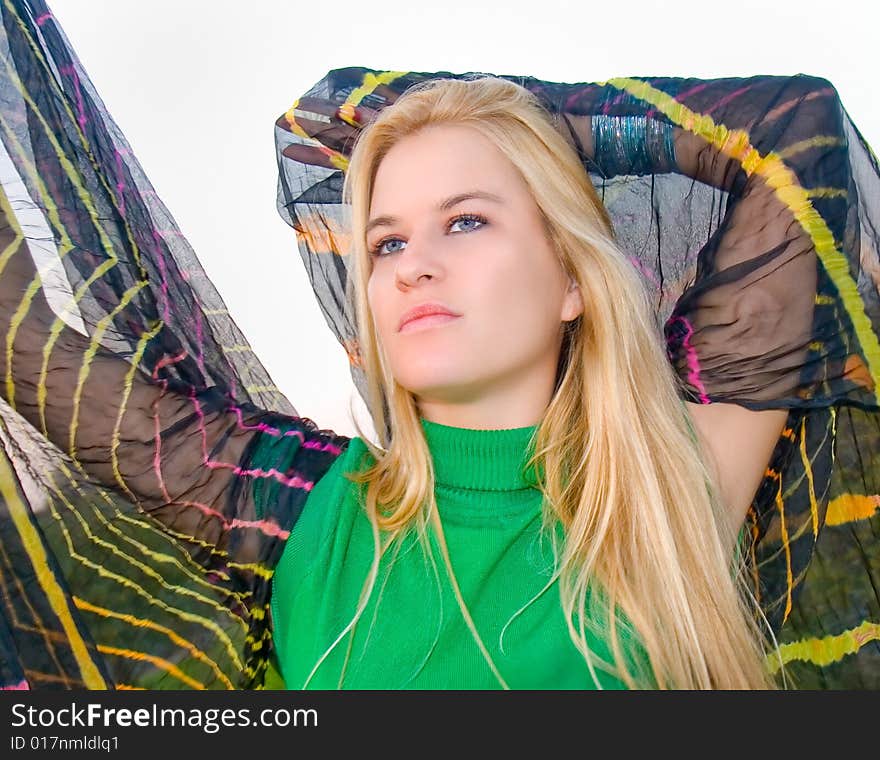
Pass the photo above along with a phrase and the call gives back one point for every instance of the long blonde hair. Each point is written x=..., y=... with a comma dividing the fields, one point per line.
x=645, y=536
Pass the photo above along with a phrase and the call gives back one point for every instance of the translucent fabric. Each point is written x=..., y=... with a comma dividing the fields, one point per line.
x=151, y=472
x=132, y=554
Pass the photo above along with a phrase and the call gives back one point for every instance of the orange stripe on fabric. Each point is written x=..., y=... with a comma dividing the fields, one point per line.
x=322, y=235
x=143, y=623
x=147, y=570
x=50, y=637
x=39, y=561
x=192, y=570
x=127, y=583
x=783, y=528
x=850, y=507
x=783, y=108
x=160, y=663
x=808, y=469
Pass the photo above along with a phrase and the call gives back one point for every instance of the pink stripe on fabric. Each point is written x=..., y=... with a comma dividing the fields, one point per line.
x=571, y=100
x=267, y=527
x=727, y=98
x=22, y=685
x=160, y=260
x=693, y=91
x=276, y=432
x=294, y=482
x=264, y=428
x=200, y=344
x=322, y=446
x=264, y=526
x=692, y=361
x=164, y=362
x=157, y=436
x=789, y=104
x=645, y=271
x=80, y=107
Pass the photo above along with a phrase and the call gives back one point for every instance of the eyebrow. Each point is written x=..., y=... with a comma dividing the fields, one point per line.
x=453, y=200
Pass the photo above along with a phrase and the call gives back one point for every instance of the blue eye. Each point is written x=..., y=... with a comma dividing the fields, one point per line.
x=377, y=250
x=469, y=218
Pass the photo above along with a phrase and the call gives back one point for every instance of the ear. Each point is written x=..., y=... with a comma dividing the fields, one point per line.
x=573, y=303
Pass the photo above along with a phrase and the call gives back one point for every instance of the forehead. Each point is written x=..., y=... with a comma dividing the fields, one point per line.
x=438, y=162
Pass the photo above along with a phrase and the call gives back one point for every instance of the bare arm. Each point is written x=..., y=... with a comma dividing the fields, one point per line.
x=739, y=443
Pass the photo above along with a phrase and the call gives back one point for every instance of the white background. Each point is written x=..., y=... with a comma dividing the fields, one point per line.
x=196, y=87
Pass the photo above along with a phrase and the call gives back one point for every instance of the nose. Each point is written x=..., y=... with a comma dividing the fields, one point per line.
x=418, y=260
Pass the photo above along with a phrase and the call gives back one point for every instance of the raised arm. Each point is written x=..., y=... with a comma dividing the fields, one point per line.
x=744, y=335
x=172, y=451
x=121, y=352
x=143, y=424
x=797, y=219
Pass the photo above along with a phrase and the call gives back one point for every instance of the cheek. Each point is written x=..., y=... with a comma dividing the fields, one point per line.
x=519, y=289
x=524, y=304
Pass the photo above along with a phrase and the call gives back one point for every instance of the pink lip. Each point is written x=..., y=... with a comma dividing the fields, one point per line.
x=426, y=323
x=422, y=311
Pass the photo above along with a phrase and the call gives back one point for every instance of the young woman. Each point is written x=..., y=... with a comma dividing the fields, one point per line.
x=537, y=511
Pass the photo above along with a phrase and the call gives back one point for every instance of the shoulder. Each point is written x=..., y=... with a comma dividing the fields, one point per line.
x=331, y=515
x=284, y=459
x=328, y=494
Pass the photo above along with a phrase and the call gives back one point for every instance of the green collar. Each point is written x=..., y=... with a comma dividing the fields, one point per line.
x=481, y=460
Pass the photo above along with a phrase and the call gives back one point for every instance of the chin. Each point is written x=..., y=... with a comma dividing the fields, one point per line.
x=436, y=384
x=444, y=372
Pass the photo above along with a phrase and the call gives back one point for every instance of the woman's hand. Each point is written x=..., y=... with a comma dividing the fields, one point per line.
x=336, y=128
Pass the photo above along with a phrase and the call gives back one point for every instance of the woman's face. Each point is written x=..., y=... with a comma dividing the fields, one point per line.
x=487, y=260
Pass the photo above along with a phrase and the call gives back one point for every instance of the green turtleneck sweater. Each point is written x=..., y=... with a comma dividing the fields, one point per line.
x=412, y=633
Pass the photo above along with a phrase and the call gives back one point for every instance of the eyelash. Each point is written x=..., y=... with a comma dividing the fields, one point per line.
x=375, y=250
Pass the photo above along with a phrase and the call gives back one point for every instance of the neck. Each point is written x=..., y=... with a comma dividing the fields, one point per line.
x=521, y=405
